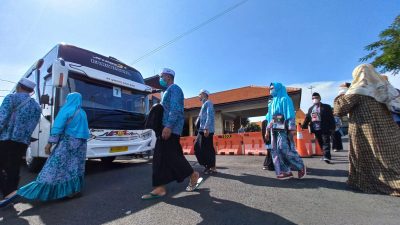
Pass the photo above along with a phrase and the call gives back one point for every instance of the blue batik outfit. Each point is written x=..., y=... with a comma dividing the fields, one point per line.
x=63, y=173
x=206, y=117
x=19, y=115
x=18, y=126
x=203, y=146
x=169, y=163
x=173, y=102
x=284, y=154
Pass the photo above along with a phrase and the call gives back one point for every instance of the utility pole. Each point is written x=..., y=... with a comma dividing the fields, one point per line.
x=311, y=89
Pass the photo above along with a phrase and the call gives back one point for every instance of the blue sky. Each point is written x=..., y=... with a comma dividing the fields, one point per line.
x=290, y=41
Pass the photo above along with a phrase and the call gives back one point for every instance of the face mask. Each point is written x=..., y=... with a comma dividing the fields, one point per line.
x=343, y=90
x=316, y=101
x=163, y=83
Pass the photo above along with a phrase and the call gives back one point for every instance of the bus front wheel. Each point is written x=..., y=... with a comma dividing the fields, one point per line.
x=108, y=160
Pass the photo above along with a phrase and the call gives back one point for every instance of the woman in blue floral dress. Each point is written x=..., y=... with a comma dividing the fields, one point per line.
x=63, y=174
x=281, y=121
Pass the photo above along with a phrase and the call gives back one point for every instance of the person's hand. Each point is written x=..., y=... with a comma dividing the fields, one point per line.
x=47, y=149
x=206, y=133
x=267, y=137
x=166, y=133
x=293, y=132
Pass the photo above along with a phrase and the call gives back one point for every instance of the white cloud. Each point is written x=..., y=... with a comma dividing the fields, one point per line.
x=394, y=80
x=327, y=89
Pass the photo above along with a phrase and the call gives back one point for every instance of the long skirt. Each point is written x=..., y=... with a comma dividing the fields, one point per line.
x=63, y=173
x=337, y=141
x=284, y=154
x=169, y=163
x=204, y=150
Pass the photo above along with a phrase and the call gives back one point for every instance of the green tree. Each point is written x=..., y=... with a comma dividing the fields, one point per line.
x=386, y=52
x=252, y=127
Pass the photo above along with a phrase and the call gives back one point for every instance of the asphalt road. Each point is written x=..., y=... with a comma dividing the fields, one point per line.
x=242, y=193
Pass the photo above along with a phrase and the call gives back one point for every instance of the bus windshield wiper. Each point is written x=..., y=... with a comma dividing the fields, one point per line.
x=126, y=111
x=113, y=112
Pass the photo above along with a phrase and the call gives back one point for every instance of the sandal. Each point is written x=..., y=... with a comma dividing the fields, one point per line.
x=151, y=196
x=192, y=187
x=212, y=171
x=7, y=201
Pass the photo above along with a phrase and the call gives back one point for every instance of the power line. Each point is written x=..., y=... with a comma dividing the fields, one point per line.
x=5, y=90
x=8, y=81
x=166, y=44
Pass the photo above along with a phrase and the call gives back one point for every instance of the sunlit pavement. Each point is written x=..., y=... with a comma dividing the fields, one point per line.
x=242, y=193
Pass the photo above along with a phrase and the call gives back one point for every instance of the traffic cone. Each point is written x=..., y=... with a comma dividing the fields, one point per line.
x=318, y=150
x=301, y=144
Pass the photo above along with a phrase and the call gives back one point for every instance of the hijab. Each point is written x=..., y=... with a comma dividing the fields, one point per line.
x=281, y=103
x=366, y=81
x=72, y=114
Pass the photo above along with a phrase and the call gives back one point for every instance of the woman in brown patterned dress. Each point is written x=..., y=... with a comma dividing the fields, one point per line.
x=374, y=136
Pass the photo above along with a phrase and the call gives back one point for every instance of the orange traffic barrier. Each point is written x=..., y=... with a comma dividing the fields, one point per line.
x=229, y=144
x=318, y=150
x=188, y=145
x=215, y=140
x=253, y=144
x=301, y=143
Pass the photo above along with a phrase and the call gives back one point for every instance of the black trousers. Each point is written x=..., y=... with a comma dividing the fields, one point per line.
x=324, y=140
x=337, y=141
x=11, y=153
x=204, y=150
x=169, y=163
x=268, y=163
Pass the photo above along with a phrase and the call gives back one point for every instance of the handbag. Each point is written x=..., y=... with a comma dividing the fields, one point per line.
x=278, y=122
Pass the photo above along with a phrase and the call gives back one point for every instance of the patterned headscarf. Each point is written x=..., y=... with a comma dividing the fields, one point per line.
x=366, y=81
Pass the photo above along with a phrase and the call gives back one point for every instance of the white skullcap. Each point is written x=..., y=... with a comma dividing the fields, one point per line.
x=168, y=71
x=204, y=91
x=27, y=83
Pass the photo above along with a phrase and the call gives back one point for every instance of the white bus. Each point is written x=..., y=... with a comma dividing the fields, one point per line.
x=115, y=100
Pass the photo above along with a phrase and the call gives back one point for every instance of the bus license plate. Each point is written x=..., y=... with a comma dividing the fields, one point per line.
x=119, y=149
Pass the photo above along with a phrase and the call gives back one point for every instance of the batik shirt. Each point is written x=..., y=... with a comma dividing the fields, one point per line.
x=18, y=125
x=206, y=117
x=172, y=101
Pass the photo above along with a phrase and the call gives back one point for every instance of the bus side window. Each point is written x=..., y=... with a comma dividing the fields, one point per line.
x=46, y=100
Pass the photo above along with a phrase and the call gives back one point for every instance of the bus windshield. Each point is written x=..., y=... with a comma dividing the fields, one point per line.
x=108, y=106
x=108, y=97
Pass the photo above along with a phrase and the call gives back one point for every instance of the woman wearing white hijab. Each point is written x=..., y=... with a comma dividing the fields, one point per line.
x=374, y=136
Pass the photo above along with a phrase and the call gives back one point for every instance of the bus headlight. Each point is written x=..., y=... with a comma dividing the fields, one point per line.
x=146, y=135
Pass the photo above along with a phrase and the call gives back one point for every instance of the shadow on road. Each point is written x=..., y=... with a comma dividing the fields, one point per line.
x=219, y=211
x=309, y=183
x=327, y=172
x=108, y=196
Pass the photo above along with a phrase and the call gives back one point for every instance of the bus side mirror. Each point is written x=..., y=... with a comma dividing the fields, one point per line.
x=60, y=73
x=39, y=64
